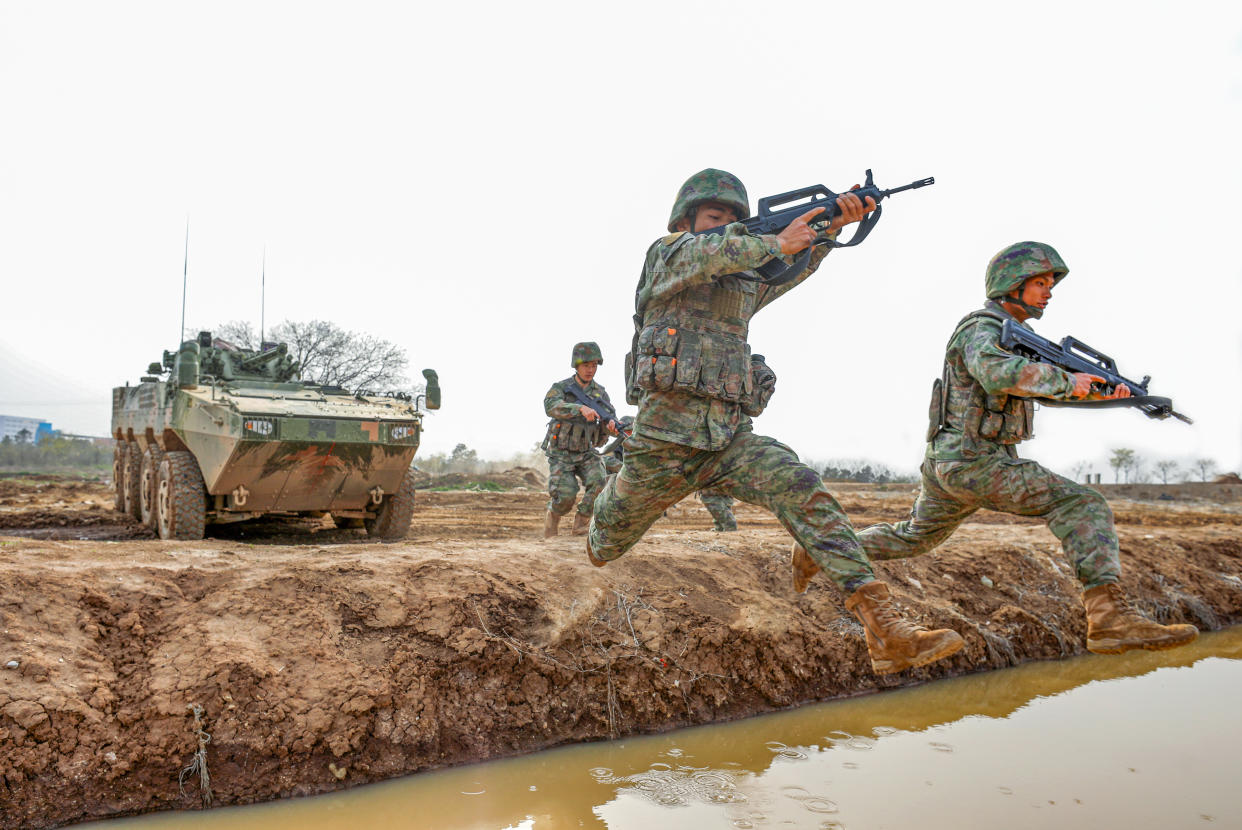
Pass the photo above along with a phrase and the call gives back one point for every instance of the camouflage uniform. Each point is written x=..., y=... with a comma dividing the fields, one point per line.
x=570, y=448
x=694, y=386
x=720, y=505
x=982, y=410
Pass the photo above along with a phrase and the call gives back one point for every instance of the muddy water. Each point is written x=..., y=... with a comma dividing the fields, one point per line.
x=1147, y=740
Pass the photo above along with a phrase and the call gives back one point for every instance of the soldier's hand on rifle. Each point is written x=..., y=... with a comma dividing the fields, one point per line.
x=1122, y=391
x=587, y=412
x=611, y=426
x=797, y=236
x=1082, y=388
x=1082, y=384
x=852, y=210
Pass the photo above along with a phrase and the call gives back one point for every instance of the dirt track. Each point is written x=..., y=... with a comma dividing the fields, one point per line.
x=322, y=660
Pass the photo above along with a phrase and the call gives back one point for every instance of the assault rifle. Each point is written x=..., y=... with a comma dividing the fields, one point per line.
x=603, y=410
x=1073, y=355
x=769, y=219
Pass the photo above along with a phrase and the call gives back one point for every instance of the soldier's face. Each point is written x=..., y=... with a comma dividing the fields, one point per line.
x=1037, y=291
x=709, y=215
x=586, y=371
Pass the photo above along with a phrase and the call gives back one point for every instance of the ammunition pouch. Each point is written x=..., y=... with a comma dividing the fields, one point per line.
x=998, y=419
x=762, y=386
x=938, y=408
x=1004, y=419
x=633, y=394
x=706, y=363
x=576, y=435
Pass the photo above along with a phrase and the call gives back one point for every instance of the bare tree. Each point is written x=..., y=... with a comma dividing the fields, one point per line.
x=1120, y=461
x=238, y=332
x=329, y=354
x=1165, y=469
x=1081, y=470
x=1136, y=470
x=1205, y=466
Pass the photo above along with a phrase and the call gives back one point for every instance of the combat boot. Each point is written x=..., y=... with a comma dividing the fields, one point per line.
x=894, y=642
x=581, y=522
x=1115, y=626
x=804, y=568
x=551, y=522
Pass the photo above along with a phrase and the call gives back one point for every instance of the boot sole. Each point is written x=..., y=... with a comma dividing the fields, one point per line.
x=893, y=666
x=1122, y=646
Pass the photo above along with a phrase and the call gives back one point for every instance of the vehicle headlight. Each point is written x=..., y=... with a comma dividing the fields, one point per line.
x=259, y=427
x=402, y=432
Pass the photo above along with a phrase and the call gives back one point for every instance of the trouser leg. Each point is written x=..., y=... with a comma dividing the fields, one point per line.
x=562, y=485
x=1077, y=515
x=591, y=472
x=933, y=518
x=651, y=479
x=720, y=505
x=761, y=470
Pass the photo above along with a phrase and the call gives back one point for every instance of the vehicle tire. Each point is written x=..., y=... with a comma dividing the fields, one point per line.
x=392, y=517
x=118, y=476
x=132, y=479
x=147, y=475
x=180, y=497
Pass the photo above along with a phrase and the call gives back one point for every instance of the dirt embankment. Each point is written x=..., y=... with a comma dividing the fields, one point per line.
x=322, y=660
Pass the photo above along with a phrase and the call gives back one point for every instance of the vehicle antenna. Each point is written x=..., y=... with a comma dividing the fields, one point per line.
x=262, y=296
x=185, y=269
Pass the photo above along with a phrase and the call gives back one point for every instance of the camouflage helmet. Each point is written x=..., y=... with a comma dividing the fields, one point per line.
x=585, y=353
x=626, y=422
x=710, y=185
x=1018, y=263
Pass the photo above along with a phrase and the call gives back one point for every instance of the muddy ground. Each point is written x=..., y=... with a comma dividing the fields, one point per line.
x=321, y=660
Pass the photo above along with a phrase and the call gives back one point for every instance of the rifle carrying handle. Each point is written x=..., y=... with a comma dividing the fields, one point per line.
x=768, y=202
x=1072, y=343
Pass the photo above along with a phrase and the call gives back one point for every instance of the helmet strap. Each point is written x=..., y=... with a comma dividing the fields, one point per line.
x=1034, y=312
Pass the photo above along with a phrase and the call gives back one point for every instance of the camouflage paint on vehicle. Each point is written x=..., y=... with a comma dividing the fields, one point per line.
x=266, y=442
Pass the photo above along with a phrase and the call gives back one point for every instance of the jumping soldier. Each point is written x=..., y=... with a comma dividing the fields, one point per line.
x=573, y=434
x=692, y=376
x=982, y=407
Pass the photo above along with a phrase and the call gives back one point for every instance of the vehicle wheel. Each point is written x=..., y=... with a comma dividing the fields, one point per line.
x=118, y=476
x=180, y=497
x=132, y=479
x=148, y=473
x=392, y=518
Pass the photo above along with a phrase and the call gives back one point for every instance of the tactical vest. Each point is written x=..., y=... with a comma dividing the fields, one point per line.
x=695, y=341
x=575, y=434
x=997, y=419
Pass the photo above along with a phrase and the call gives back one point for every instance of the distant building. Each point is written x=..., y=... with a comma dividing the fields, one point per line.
x=96, y=440
x=29, y=430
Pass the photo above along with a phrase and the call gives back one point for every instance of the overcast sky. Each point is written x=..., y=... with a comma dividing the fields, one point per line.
x=479, y=182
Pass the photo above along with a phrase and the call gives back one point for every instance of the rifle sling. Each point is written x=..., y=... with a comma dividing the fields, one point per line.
x=1154, y=406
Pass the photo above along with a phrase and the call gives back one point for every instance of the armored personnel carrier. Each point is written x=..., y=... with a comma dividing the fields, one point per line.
x=233, y=434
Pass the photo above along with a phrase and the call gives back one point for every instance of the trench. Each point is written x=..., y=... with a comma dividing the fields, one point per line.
x=1144, y=740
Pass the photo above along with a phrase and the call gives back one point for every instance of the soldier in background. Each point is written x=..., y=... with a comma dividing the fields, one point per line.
x=573, y=434
x=697, y=386
x=982, y=407
x=717, y=502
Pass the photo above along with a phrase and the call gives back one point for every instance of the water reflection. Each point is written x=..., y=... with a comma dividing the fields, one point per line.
x=1142, y=740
